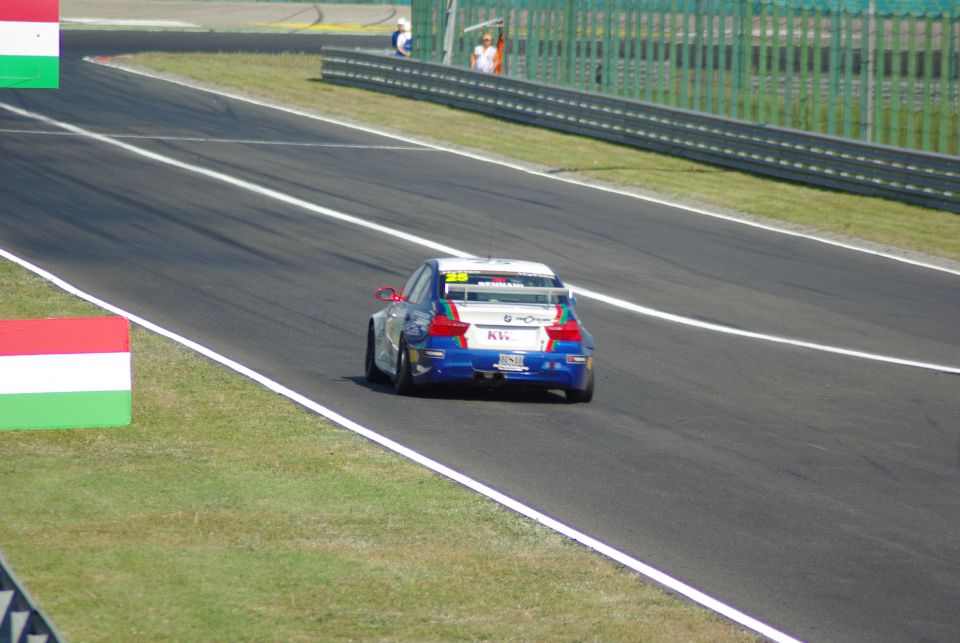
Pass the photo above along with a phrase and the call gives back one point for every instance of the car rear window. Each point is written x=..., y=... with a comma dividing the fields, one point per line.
x=518, y=281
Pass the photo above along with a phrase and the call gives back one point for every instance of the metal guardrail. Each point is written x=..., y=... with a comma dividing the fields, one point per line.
x=20, y=621
x=923, y=178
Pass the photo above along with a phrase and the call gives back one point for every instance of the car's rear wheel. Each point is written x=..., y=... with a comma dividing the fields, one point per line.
x=403, y=380
x=373, y=374
x=581, y=395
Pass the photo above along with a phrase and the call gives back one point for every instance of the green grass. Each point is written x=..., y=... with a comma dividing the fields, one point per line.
x=225, y=512
x=294, y=79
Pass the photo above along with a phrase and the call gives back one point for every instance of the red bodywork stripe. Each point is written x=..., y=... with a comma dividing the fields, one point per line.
x=552, y=342
x=454, y=314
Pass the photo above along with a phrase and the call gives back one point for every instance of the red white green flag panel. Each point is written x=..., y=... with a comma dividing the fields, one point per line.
x=30, y=44
x=60, y=373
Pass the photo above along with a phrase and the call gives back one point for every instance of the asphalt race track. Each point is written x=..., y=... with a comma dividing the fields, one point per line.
x=818, y=492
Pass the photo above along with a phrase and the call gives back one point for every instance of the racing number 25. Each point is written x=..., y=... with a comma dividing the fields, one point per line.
x=457, y=277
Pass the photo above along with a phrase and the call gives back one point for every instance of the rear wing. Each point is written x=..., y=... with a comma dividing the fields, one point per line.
x=550, y=295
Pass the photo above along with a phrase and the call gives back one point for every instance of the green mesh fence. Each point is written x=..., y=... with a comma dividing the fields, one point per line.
x=883, y=71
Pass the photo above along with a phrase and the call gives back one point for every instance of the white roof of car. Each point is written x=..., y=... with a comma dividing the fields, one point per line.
x=455, y=264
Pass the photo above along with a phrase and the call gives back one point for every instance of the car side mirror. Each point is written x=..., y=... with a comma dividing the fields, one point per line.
x=387, y=293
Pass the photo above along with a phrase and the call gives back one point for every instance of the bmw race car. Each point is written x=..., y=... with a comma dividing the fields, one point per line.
x=480, y=321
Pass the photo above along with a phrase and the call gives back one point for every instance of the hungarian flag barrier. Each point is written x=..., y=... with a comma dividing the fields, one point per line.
x=60, y=373
x=30, y=43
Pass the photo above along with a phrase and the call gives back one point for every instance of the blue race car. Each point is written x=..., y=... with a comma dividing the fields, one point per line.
x=480, y=321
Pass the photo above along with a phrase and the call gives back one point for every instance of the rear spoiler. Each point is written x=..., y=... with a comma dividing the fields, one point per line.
x=551, y=293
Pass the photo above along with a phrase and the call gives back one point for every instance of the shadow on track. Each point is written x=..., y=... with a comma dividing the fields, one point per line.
x=467, y=393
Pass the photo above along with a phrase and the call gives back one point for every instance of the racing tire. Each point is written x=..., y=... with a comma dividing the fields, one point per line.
x=403, y=380
x=580, y=395
x=373, y=374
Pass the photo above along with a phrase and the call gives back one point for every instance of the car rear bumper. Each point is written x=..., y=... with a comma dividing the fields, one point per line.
x=491, y=367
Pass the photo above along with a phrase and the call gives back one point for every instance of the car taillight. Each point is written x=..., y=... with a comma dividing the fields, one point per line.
x=443, y=326
x=569, y=331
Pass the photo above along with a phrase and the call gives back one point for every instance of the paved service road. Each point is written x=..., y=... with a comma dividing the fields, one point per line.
x=817, y=492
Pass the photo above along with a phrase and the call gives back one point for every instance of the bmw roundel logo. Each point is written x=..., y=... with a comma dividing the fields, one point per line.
x=508, y=318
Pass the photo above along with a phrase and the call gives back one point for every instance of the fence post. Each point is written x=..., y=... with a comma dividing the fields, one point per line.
x=955, y=73
x=637, y=11
x=763, y=61
x=648, y=58
x=927, y=118
x=946, y=76
x=883, y=68
x=746, y=83
x=685, y=57
x=836, y=26
x=673, y=91
x=736, y=61
x=569, y=42
x=867, y=101
x=804, y=106
x=499, y=10
x=846, y=107
x=662, y=54
x=790, y=67
x=817, y=105
x=896, y=74
x=699, y=54
x=722, y=92
x=449, y=29
x=547, y=54
x=912, y=63
x=776, y=105
x=710, y=54
x=595, y=56
x=609, y=59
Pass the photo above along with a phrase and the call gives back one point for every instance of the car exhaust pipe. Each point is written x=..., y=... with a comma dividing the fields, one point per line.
x=488, y=379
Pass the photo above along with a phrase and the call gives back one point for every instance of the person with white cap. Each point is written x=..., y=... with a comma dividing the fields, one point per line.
x=396, y=34
x=404, y=40
x=485, y=56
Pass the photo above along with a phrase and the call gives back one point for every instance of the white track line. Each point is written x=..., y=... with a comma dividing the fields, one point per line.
x=727, y=330
x=241, y=141
x=111, y=62
x=449, y=250
x=626, y=560
x=128, y=22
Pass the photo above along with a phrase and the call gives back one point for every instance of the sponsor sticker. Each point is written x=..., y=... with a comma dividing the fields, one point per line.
x=528, y=319
x=511, y=362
